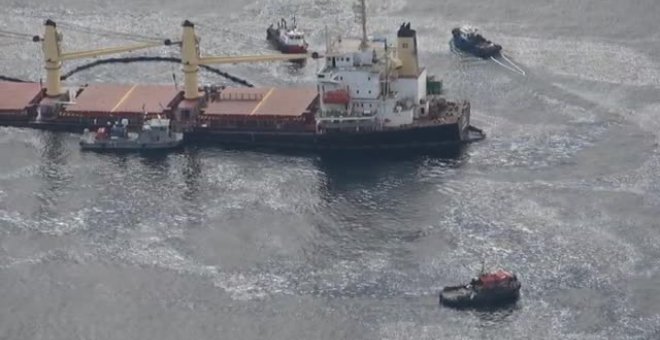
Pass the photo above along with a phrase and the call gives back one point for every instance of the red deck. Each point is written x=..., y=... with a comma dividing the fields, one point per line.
x=121, y=100
x=15, y=97
x=262, y=102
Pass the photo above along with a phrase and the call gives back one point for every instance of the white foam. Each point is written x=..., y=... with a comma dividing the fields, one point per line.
x=595, y=61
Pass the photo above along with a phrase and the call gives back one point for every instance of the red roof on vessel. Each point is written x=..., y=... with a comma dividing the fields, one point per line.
x=15, y=97
x=495, y=277
x=273, y=101
x=98, y=98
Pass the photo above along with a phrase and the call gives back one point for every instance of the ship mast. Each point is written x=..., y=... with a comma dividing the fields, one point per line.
x=361, y=12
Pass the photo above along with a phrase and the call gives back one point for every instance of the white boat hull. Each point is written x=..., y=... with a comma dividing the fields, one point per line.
x=131, y=145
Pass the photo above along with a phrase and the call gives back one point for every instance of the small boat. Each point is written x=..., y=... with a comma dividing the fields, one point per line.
x=156, y=134
x=487, y=290
x=468, y=39
x=287, y=39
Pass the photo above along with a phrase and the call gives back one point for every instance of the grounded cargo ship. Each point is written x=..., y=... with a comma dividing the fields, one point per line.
x=368, y=96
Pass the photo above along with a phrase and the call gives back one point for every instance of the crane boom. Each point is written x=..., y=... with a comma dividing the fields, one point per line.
x=106, y=51
x=251, y=58
x=191, y=59
x=54, y=57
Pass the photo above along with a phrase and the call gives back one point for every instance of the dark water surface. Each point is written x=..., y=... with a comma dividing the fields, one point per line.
x=208, y=243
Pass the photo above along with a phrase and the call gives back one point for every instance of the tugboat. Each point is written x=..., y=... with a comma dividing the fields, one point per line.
x=487, y=290
x=468, y=39
x=156, y=134
x=287, y=39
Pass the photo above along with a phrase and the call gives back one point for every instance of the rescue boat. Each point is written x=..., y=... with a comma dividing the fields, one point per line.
x=156, y=134
x=487, y=290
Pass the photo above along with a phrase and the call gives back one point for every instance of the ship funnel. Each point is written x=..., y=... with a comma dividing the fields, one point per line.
x=407, y=51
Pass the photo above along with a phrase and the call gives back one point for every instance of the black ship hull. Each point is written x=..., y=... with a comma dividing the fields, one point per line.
x=444, y=138
x=412, y=138
x=464, y=297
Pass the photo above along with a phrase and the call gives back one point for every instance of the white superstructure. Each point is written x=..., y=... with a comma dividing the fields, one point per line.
x=371, y=85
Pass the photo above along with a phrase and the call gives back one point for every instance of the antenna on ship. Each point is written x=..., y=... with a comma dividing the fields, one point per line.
x=386, y=86
x=361, y=14
x=176, y=85
x=327, y=43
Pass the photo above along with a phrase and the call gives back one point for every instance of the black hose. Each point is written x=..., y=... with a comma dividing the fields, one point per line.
x=14, y=80
x=127, y=60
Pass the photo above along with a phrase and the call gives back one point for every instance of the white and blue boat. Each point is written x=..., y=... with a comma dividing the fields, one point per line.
x=468, y=39
x=156, y=134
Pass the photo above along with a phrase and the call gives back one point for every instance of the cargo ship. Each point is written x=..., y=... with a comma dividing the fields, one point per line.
x=369, y=95
x=287, y=39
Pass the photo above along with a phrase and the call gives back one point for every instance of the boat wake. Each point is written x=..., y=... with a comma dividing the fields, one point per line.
x=502, y=60
x=505, y=62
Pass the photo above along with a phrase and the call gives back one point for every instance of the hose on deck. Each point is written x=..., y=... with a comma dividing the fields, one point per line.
x=126, y=60
x=13, y=80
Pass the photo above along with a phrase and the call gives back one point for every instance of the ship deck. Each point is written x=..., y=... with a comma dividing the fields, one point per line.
x=269, y=102
x=16, y=97
x=122, y=100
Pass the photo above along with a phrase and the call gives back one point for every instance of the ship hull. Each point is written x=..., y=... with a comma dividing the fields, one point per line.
x=463, y=297
x=272, y=35
x=414, y=138
x=131, y=145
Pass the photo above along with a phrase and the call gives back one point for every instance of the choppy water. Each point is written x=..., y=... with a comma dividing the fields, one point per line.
x=212, y=243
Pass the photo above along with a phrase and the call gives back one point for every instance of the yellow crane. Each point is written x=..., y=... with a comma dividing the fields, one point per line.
x=191, y=59
x=53, y=55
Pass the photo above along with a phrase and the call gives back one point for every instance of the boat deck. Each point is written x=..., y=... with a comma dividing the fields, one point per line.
x=122, y=100
x=16, y=97
x=269, y=102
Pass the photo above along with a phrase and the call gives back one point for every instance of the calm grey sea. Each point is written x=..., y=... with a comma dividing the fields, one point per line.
x=208, y=243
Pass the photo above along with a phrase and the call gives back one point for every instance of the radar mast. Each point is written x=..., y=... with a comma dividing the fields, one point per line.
x=360, y=9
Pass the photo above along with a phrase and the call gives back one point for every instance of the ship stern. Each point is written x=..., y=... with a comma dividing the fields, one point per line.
x=467, y=132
